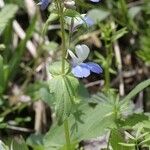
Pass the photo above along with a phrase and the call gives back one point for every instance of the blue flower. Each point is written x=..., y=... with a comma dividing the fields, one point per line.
x=78, y=21
x=44, y=4
x=88, y=21
x=79, y=68
x=95, y=1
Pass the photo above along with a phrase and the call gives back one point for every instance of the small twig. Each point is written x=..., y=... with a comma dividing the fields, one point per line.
x=19, y=31
x=131, y=73
x=119, y=65
x=19, y=128
x=31, y=7
x=127, y=74
x=40, y=116
x=54, y=27
x=99, y=82
x=118, y=57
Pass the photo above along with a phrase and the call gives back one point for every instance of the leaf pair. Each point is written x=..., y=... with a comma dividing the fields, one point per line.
x=64, y=89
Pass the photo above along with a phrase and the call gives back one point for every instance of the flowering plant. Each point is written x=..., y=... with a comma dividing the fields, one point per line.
x=66, y=66
x=81, y=69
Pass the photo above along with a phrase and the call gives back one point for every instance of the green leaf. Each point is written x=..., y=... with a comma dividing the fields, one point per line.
x=99, y=98
x=131, y=145
x=93, y=122
x=2, y=82
x=98, y=15
x=35, y=141
x=3, y=125
x=144, y=51
x=145, y=141
x=45, y=96
x=71, y=13
x=133, y=11
x=56, y=68
x=55, y=138
x=6, y=14
x=144, y=55
x=82, y=93
x=145, y=124
x=38, y=90
x=116, y=138
x=118, y=34
x=63, y=88
x=51, y=46
x=137, y=89
x=52, y=17
x=16, y=144
x=134, y=119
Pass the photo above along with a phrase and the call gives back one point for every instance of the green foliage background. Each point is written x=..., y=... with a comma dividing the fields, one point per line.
x=26, y=79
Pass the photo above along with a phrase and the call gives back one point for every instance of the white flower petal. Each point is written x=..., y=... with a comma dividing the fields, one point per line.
x=73, y=56
x=82, y=52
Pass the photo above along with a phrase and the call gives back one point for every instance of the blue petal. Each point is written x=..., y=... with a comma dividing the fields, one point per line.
x=93, y=67
x=44, y=4
x=80, y=71
x=95, y=1
x=88, y=21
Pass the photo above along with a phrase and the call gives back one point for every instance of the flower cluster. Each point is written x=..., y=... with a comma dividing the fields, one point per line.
x=80, y=68
x=44, y=3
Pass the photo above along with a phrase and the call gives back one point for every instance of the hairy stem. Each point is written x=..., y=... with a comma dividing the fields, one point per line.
x=61, y=16
x=107, y=74
x=67, y=135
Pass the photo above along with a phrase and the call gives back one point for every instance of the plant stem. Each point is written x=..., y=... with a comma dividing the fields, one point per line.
x=70, y=32
x=61, y=16
x=107, y=74
x=137, y=147
x=107, y=78
x=67, y=135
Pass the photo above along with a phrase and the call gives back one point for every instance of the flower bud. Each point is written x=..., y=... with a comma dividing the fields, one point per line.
x=69, y=4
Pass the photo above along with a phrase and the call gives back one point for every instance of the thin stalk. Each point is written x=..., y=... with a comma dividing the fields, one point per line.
x=107, y=74
x=137, y=147
x=70, y=32
x=61, y=16
x=107, y=77
x=67, y=134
